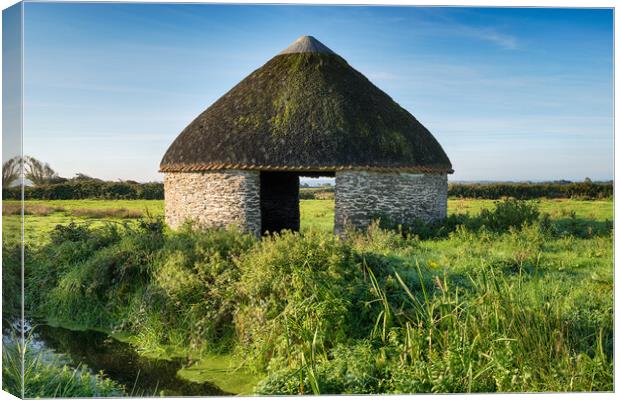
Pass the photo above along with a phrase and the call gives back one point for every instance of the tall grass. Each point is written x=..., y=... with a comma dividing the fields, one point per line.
x=11, y=282
x=513, y=301
x=502, y=336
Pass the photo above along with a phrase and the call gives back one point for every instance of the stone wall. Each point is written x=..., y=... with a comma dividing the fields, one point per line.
x=213, y=198
x=360, y=196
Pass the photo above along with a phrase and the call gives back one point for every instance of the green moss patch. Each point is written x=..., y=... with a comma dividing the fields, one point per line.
x=224, y=372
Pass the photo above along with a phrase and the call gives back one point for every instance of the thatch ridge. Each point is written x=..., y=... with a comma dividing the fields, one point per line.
x=307, y=44
x=306, y=111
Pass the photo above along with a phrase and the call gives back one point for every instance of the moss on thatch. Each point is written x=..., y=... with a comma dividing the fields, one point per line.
x=306, y=111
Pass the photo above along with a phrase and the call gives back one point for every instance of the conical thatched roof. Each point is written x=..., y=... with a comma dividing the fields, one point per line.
x=306, y=109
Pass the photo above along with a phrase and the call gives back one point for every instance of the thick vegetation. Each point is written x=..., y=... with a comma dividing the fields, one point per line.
x=509, y=299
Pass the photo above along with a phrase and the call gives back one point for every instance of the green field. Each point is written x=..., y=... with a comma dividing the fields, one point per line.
x=507, y=299
x=317, y=214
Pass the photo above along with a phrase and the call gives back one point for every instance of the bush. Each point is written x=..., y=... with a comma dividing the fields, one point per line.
x=82, y=274
x=138, y=278
x=197, y=268
x=304, y=285
x=318, y=289
x=69, y=233
x=321, y=193
x=509, y=214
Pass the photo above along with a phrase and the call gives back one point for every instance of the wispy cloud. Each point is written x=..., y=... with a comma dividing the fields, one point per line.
x=487, y=34
x=442, y=24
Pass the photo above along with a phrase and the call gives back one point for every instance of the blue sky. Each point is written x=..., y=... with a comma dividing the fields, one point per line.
x=11, y=88
x=511, y=94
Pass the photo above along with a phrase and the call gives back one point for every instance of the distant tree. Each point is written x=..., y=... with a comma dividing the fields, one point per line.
x=587, y=180
x=39, y=173
x=83, y=177
x=11, y=171
x=57, y=179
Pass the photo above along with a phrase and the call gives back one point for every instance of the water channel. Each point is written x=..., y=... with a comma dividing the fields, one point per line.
x=98, y=351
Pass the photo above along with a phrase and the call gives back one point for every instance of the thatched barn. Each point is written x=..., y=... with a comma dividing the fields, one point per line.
x=306, y=112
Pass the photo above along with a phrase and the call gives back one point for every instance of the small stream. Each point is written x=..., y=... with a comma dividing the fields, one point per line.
x=98, y=351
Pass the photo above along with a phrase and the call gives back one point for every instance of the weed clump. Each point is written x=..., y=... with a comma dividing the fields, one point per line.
x=509, y=214
x=304, y=285
x=194, y=277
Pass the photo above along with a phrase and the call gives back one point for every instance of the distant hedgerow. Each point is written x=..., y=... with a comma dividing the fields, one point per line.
x=77, y=189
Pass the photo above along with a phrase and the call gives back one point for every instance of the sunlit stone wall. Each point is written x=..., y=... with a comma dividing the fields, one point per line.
x=213, y=199
x=362, y=196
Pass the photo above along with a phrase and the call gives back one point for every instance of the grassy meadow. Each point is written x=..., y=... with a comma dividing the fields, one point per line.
x=502, y=297
x=43, y=215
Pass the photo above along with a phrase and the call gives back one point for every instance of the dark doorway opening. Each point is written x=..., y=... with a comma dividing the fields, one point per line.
x=279, y=201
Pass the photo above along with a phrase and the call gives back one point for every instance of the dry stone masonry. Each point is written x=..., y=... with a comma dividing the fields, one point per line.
x=233, y=197
x=362, y=196
x=213, y=199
